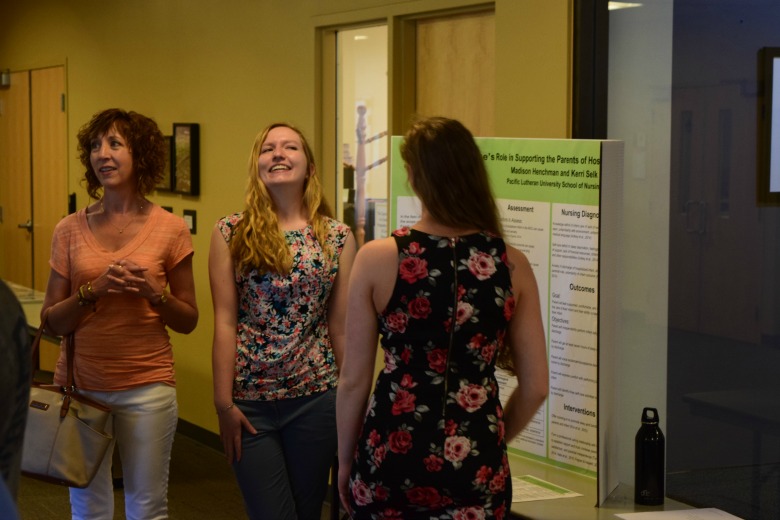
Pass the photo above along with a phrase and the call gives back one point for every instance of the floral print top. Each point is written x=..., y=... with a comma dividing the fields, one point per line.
x=432, y=443
x=282, y=345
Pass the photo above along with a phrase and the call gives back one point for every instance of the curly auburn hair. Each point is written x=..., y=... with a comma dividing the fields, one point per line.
x=258, y=242
x=145, y=141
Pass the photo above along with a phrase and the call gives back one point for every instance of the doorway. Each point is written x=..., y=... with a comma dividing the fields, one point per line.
x=714, y=221
x=33, y=172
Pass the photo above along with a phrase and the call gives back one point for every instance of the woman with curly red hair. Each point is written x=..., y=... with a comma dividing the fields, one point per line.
x=121, y=275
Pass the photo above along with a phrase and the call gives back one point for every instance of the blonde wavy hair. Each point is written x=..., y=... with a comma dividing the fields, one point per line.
x=258, y=242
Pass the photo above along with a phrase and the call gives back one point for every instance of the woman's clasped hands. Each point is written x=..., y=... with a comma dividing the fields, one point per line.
x=125, y=276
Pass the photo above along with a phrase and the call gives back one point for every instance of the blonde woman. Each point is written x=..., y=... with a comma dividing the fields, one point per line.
x=279, y=273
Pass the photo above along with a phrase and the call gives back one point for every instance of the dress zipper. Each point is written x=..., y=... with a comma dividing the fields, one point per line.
x=453, y=321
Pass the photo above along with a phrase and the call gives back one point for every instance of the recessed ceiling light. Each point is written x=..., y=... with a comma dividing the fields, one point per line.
x=622, y=5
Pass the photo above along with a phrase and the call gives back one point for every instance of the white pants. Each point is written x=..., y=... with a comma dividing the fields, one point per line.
x=144, y=426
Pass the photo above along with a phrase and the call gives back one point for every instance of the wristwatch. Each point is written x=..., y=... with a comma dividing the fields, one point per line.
x=163, y=299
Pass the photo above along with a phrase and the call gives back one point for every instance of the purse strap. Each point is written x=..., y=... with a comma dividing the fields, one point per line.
x=70, y=350
x=36, y=344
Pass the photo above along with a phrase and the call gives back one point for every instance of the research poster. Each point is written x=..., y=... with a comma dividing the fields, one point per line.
x=548, y=197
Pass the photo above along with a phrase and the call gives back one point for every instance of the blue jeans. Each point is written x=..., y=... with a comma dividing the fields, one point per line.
x=283, y=471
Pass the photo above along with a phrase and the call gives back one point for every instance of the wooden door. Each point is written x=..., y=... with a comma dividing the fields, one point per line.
x=455, y=73
x=33, y=172
x=15, y=182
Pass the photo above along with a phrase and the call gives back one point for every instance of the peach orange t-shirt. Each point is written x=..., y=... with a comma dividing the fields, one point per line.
x=124, y=343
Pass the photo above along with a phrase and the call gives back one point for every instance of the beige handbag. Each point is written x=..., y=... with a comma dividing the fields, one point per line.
x=67, y=434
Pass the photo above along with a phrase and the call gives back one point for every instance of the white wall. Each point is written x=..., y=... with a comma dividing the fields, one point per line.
x=640, y=75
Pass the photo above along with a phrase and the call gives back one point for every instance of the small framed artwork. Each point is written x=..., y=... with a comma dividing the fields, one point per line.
x=191, y=220
x=166, y=183
x=186, y=158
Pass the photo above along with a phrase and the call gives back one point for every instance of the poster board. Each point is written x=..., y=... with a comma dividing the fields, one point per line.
x=560, y=203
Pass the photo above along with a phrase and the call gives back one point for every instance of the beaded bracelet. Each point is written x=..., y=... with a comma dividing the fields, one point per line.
x=83, y=300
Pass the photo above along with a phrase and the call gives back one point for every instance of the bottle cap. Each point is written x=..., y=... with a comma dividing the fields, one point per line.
x=651, y=417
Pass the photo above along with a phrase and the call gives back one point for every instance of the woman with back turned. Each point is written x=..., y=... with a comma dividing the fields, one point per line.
x=449, y=298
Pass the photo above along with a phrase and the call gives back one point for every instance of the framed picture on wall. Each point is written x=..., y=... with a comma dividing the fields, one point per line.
x=769, y=118
x=166, y=183
x=186, y=158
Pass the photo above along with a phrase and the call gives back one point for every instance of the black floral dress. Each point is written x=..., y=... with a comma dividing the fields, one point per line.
x=432, y=444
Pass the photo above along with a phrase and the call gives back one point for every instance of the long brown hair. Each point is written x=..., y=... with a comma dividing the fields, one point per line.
x=449, y=175
x=258, y=242
x=145, y=142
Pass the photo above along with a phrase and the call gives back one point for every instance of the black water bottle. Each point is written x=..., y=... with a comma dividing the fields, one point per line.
x=649, y=461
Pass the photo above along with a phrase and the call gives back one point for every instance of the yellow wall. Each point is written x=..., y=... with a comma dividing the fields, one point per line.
x=235, y=66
